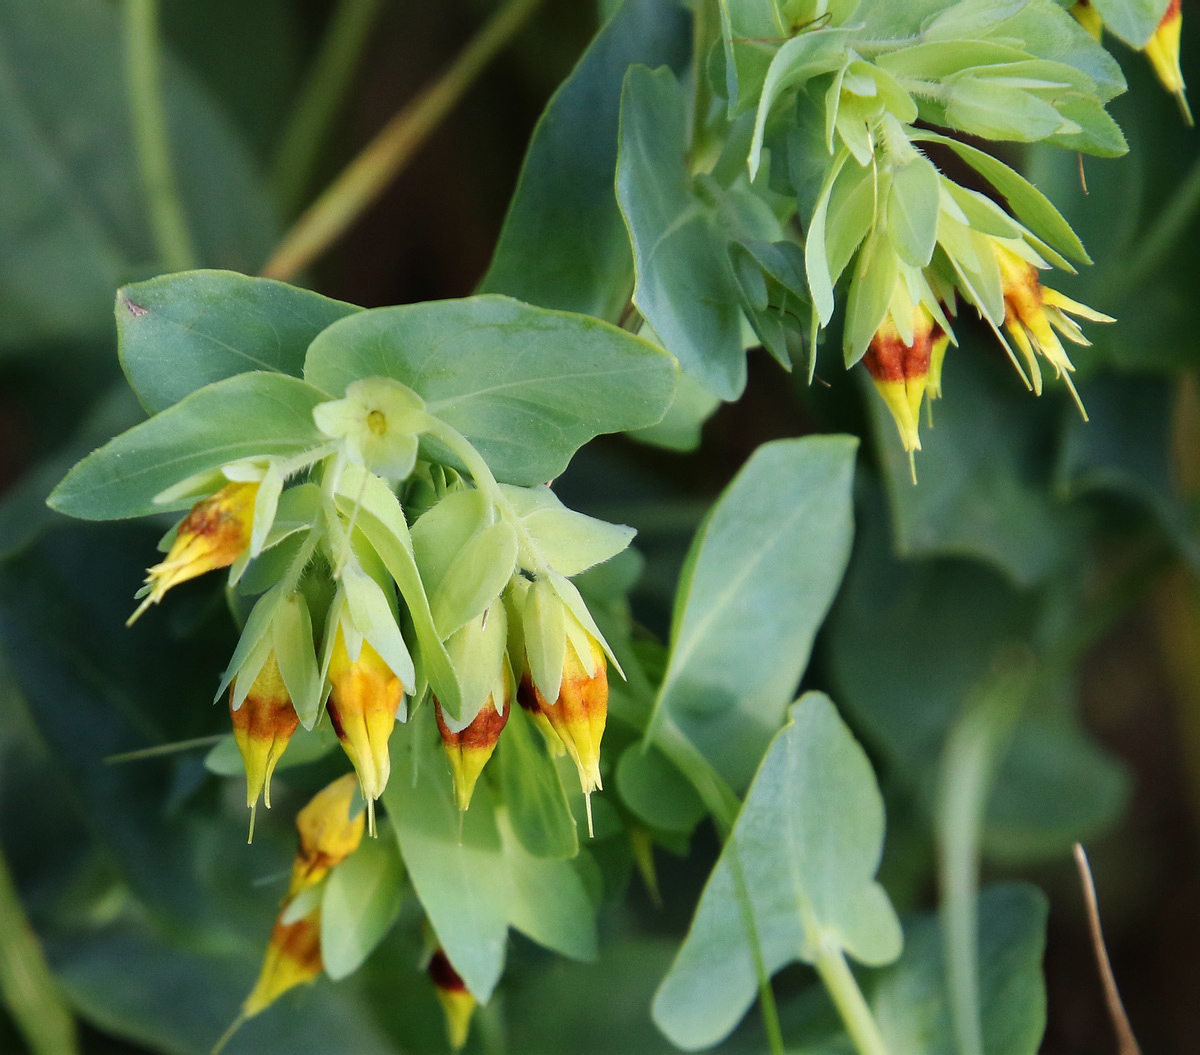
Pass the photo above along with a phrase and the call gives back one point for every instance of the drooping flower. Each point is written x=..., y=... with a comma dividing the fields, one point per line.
x=470, y=749
x=293, y=958
x=900, y=371
x=213, y=535
x=262, y=727
x=1162, y=49
x=329, y=830
x=1033, y=312
x=364, y=698
x=455, y=998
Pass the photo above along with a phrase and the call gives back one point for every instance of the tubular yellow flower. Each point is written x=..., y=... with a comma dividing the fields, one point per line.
x=293, y=958
x=455, y=998
x=262, y=727
x=328, y=833
x=363, y=702
x=213, y=535
x=1032, y=313
x=470, y=750
x=1162, y=49
x=579, y=713
x=900, y=372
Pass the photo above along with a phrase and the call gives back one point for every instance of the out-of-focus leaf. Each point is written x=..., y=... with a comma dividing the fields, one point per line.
x=984, y=471
x=798, y=868
x=565, y=195
x=180, y=332
x=762, y=573
x=1126, y=449
x=527, y=386
x=73, y=219
x=184, y=999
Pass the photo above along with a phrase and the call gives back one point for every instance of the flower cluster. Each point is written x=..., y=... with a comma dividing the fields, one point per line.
x=360, y=618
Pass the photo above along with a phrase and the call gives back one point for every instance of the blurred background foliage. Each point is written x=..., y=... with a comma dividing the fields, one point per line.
x=1077, y=538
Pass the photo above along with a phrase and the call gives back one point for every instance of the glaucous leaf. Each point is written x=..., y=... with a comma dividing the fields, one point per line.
x=245, y=416
x=540, y=815
x=180, y=332
x=565, y=194
x=761, y=575
x=685, y=288
x=798, y=868
x=525, y=385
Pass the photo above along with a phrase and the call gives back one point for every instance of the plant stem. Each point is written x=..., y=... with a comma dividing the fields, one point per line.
x=322, y=94
x=148, y=118
x=842, y=987
x=974, y=748
x=26, y=984
x=367, y=175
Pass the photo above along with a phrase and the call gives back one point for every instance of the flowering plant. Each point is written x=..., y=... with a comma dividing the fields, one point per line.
x=833, y=671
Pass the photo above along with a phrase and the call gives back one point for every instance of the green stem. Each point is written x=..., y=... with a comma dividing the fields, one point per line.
x=148, y=118
x=1171, y=222
x=26, y=984
x=365, y=178
x=320, y=98
x=973, y=750
x=851, y=1005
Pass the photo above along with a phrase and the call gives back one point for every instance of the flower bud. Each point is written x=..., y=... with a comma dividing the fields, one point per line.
x=293, y=958
x=470, y=749
x=900, y=371
x=363, y=700
x=1162, y=49
x=213, y=535
x=455, y=998
x=328, y=833
x=262, y=727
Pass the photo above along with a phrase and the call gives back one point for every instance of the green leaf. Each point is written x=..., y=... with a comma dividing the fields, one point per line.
x=876, y=272
x=685, y=288
x=912, y=210
x=526, y=386
x=909, y=998
x=1028, y=203
x=656, y=790
x=1134, y=21
x=245, y=416
x=471, y=873
x=474, y=579
x=381, y=519
x=67, y=156
x=1127, y=450
x=537, y=803
x=763, y=571
x=360, y=903
x=979, y=496
x=798, y=867
x=181, y=332
x=565, y=194
x=569, y=542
